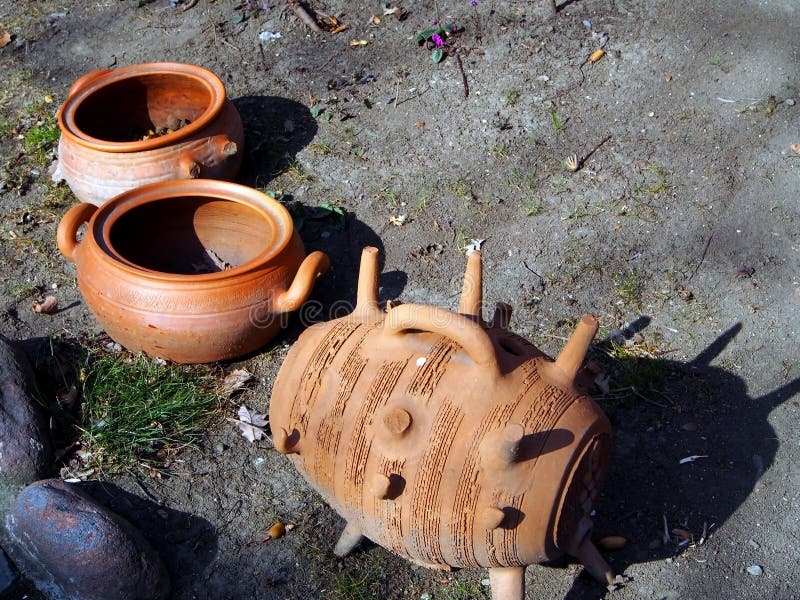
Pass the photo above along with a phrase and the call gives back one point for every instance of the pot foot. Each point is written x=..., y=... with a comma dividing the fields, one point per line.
x=594, y=563
x=348, y=540
x=508, y=583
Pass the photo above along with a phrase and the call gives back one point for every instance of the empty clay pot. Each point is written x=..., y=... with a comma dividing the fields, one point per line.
x=127, y=127
x=191, y=271
x=446, y=439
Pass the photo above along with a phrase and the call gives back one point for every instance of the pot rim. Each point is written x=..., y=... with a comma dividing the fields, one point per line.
x=99, y=227
x=66, y=114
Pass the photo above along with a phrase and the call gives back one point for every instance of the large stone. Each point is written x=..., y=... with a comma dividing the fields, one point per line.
x=26, y=452
x=73, y=547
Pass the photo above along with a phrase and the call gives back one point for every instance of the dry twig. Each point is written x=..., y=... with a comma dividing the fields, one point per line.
x=305, y=16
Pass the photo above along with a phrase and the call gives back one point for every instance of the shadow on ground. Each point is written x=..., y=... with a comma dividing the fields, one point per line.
x=656, y=492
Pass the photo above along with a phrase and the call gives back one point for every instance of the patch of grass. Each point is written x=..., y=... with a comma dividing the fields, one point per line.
x=628, y=287
x=636, y=371
x=532, y=207
x=511, y=96
x=319, y=148
x=137, y=413
x=654, y=180
x=558, y=126
x=460, y=187
x=423, y=200
x=499, y=151
x=297, y=173
x=463, y=239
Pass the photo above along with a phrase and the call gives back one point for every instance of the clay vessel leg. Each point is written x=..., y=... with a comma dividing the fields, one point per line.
x=508, y=583
x=350, y=538
x=594, y=563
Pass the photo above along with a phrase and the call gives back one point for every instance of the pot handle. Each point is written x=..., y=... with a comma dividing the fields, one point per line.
x=314, y=265
x=463, y=330
x=68, y=228
x=85, y=80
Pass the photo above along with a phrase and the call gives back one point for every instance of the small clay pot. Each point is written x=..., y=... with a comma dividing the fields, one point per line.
x=191, y=271
x=127, y=127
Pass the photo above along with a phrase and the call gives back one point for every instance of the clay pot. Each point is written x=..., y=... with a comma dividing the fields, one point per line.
x=190, y=271
x=446, y=439
x=127, y=127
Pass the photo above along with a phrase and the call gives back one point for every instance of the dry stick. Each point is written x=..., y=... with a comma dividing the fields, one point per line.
x=702, y=257
x=463, y=76
x=304, y=15
x=189, y=5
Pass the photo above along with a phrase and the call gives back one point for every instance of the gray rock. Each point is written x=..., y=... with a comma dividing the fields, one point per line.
x=72, y=547
x=26, y=452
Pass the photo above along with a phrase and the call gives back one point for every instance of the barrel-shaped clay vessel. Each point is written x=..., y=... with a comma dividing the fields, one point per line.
x=192, y=271
x=145, y=123
x=446, y=439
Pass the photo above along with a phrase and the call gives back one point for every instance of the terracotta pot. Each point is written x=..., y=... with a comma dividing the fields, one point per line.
x=107, y=114
x=444, y=438
x=190, y=271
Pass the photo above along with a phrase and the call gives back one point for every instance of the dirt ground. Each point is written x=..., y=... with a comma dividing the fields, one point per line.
x=684, y=211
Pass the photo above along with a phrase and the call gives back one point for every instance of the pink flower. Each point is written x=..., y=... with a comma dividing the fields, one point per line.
x=437, y=39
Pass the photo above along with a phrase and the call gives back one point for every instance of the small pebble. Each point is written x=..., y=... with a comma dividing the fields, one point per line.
x=755, y=570
x=486, y=582
x=791, y=101
x=219, y=448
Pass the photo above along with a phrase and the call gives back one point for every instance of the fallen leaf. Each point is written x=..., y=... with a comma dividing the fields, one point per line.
x=278, y=530
x=5, y=39
x=357, y=43
x=339, y=29
x=692, y=458
x=420, y=123
x=251, y=423
x=596, y=55
x=612, y=542
x=235, y=380
x=376, y=20
x=48, y=307
x=399, y=220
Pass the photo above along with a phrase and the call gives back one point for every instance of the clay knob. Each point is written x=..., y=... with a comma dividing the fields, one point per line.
x=283, y=443
x=380, y=485
x=492, y=517
x=510, y=441
x=397, y=421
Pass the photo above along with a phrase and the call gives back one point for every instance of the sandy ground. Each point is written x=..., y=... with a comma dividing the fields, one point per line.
x=684, y=210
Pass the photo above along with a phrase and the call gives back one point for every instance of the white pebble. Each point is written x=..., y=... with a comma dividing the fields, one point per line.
x=755, y=570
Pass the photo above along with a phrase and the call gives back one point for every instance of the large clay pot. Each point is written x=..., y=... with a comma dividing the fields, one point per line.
x=191, y=271
x=107, y=114
x=444, y=438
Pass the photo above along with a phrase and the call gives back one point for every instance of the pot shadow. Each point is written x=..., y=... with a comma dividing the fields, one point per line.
x=276, y=129
x=691, y=409
x=185, y=542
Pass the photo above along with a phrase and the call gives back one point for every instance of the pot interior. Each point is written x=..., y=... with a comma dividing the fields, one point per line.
x=142, y=107
x=191, y=235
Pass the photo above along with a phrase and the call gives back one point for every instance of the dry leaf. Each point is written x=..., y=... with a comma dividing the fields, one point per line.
x=596, y=55
x=48, y=307
x=339, y=29
x=612, y=542
x=398, y=221
x=278, y=530
x=356, y=43
x=235, y=380
x=5, y=39
x=251, y=423
x=375, y=20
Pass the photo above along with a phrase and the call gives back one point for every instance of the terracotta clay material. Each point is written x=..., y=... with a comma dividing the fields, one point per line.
x=151, y=122
x=445, y=438
x=190, y=271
